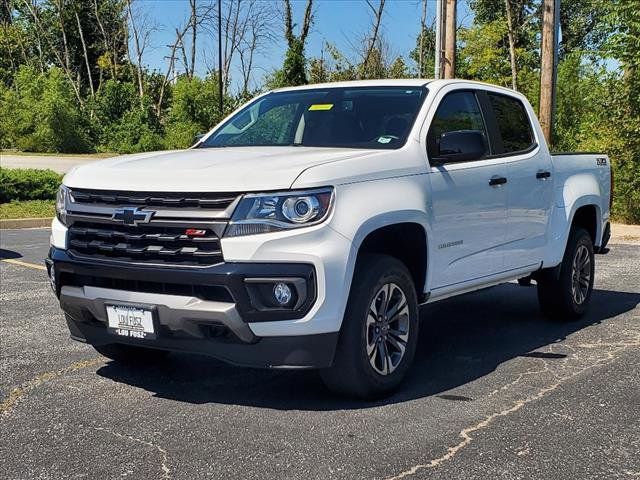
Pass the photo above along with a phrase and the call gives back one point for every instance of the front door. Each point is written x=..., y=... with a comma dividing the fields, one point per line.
x=468, y=201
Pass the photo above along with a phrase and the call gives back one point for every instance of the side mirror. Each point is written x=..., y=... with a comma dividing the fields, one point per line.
x=198, y=137
x=461, y=146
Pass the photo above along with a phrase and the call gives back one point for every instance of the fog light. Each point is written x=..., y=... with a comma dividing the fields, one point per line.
x=282, y=293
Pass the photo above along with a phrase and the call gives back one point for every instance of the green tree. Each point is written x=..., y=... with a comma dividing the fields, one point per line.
x=622, y=120
x=39, y=113
x=428, y=43
x=194, y=109
x=294, y=66
x=398, y=69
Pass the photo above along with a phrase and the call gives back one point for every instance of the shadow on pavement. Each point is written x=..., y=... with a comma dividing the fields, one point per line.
x=462, y=339
x=9, y=254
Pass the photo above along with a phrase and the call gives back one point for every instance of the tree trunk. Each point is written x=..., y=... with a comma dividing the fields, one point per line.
x=86, y=57
x=67, y=61
x=194, y=28
x=105, y=41
x=512, y=46
x=374, y=35
x=136, y=41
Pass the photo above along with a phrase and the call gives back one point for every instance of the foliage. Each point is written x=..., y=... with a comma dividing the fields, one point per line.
x=428, y=42
x=67, y=83
x=194, y=109
x=293, y=69
x=39, y=113
x=136, y=131
x=28, y=184
x=28, y=209
x=620, y=134
x=479, y=59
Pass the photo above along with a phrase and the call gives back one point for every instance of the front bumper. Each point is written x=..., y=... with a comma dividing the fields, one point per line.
x=203, y=310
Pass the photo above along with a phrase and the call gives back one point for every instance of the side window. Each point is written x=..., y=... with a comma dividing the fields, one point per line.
x=513, y=123
x=458, y=111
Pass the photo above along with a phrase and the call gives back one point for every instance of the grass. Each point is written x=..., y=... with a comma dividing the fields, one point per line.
x=70, y=155
x=28, y=209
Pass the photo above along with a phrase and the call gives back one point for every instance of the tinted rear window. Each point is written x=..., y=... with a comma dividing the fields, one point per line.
x=513, y=123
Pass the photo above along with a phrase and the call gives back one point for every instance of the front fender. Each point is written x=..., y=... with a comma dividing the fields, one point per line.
x=362, y=208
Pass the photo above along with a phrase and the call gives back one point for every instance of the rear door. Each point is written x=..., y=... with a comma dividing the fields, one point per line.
x=469, y=199
x=529, y=173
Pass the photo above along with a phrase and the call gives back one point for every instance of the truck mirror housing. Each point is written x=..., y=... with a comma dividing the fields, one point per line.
x=461, y=146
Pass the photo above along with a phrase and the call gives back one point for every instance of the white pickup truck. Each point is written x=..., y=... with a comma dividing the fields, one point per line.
x=305, y=229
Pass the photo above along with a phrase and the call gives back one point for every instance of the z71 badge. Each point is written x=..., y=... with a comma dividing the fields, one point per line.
x=601, y=162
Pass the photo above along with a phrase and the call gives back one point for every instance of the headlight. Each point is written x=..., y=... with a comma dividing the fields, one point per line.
x=271, y=212
x=61, y=204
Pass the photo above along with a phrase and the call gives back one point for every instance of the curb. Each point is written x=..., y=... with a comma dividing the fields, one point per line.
x=620, y=230
x=25, y=223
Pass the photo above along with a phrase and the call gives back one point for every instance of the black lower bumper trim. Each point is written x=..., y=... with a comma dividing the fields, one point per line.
x=305, y=351
x=201, y=282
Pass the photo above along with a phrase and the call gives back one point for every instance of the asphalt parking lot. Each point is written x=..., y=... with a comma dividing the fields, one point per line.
x=496, y=391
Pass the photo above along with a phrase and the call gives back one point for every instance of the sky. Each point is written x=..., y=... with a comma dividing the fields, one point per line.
x=340, y=22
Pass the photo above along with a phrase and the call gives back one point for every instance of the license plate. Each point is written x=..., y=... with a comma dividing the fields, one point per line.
x=133, y=322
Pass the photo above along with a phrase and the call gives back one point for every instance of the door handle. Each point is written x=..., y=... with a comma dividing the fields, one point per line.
x=542, y=175
x=497, y=181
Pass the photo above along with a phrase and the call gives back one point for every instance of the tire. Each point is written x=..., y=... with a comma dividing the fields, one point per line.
x=564, y=292
x=131, y=353
x=363, y=367
x=524, y=282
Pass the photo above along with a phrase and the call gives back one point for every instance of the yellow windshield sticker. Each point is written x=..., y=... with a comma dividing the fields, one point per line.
x=320, y=106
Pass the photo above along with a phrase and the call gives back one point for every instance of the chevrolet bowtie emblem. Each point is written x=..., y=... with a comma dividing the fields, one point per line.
x=132, y=216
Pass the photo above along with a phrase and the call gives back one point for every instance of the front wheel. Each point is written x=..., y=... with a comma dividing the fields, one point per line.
x=564, y=292
x=379, y=332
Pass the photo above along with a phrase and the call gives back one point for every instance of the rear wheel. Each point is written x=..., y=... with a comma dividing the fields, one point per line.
x=564, y=292
x=379, y=333
x=131, y=353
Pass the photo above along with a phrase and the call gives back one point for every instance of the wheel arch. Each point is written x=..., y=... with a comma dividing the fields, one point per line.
x=405, y=239
x=584, y=212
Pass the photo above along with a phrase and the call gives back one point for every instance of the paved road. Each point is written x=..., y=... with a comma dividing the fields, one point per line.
x=496, y=392
x=61, y=164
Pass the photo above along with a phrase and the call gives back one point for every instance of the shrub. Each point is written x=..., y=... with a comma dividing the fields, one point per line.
x=28, y=184
x=135, y=132
x=194, y=109
x=41, y=114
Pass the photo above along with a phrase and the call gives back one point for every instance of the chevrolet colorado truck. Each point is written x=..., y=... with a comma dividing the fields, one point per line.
x=307, y=227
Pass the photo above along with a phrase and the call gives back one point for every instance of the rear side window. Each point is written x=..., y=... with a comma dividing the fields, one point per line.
x=513, y=123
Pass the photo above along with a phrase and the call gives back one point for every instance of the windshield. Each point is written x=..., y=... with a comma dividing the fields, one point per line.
x=361, y=117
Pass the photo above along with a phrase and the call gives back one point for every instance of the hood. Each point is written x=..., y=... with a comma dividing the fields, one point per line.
x=231, y=169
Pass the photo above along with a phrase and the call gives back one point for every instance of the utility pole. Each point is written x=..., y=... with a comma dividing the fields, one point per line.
x=221, y=104
x=437, y=74
x=548, y=65
x=450, y=40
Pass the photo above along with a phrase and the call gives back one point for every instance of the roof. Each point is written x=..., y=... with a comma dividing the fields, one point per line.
x=399, y=82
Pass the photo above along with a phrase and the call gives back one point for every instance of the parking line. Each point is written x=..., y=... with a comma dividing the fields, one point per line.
x=24, y=264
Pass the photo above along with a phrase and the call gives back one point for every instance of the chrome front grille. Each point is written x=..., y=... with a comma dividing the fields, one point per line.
x=184, y=229
x=154, y=199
